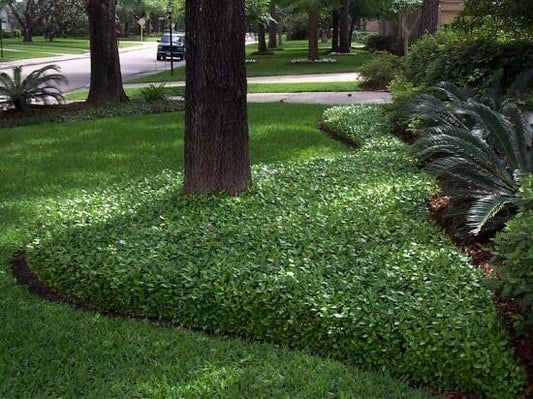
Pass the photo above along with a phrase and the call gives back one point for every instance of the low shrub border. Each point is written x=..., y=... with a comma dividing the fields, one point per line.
x=334, y=255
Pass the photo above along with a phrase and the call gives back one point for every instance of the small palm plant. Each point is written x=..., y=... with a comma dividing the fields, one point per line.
x=479, y=154
x=38, y=85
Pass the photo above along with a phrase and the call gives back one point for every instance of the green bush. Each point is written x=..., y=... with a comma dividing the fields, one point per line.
x=154, y=93
x=514, y=251
x=403, y=92
x=465, y=60
x=336, y=256
x=11, y=33
x=378, y=73
x=377, y=42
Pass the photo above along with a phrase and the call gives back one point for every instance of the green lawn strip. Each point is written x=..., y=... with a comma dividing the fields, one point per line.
x=329, y=251
x=252, y=88
x=15, y=49
x=49, y=350
x=277, y=63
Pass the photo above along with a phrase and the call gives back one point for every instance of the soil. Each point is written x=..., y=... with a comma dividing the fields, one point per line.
x=40, y=111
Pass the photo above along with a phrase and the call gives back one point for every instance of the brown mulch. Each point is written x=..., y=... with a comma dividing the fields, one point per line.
x=39, y=111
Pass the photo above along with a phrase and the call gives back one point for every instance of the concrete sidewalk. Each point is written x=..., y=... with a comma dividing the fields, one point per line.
x=329, y=98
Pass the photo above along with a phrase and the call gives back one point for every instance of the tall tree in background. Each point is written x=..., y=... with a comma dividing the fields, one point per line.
x=430, y=16
x=31, y=15
x=345, y=42
x=67, y=17
x=404, y=10
x=216, y=121
x=335, y=21
x=272, y=26
x=257, y=13
x=106, y=77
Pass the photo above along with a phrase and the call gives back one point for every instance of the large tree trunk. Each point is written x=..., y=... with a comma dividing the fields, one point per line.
x=106, y=78
x=312, y=53
x=430, y=16
x=28, y=34
x=216, y=122
x=261, y=38
x=345, y=39
x=272, y=27
x=335, y=32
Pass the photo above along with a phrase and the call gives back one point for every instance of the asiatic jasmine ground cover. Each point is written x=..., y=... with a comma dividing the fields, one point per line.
x=333, y=253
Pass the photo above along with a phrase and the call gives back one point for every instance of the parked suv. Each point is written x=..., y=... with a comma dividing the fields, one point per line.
x=177, y=50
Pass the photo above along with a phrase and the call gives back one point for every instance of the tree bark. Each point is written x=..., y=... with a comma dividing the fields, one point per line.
x=335, y=32
x=430, y=16
x=261, y=38
x=312, y=53
x=106, y=77
x=272, y=27
x=345, y=39
x=216, y=121
x=280, y=37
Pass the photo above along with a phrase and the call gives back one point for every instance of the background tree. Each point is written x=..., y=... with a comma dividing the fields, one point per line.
x=216, y=122
x=30, y=14
x=404, y=10
x=430, y=16
x=345, y=40
x=66, y=17
x=273, y=26
x=258, y=15
x=106, y=77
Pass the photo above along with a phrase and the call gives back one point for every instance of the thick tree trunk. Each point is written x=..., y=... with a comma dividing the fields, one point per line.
x=28, y=34
x=312, y=53
x=280, y=37
x=106, y=78
x=430, y=16
x=216, y=122
x=335, y=32
x=345, y=39
x=261, y=38
x=272, y=27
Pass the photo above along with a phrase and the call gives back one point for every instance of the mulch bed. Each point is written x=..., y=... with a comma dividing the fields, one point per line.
x=41, y=111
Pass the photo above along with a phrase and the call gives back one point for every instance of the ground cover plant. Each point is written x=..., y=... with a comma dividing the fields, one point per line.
x=333, y=253
x=278, y=63
x=49, y=350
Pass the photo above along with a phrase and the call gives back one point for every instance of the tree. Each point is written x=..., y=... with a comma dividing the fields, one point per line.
x=345, y=42
x=335, y=21
x=430, y=16
x=272, y=26
x=216, y=121
x=257, y=13
x=404, y=9
x=31, y=15
x=106, y=77
x=65, y=17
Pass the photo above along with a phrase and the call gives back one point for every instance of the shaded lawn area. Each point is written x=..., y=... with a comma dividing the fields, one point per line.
x=252, y=88
x=49, y=350
x=16, y=49
x=277, y=63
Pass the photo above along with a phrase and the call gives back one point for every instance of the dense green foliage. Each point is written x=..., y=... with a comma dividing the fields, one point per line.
x=466, y=60
x=335, y=255
x=478, y=154
x=154, y=93
x=514, y=250
x=378, y=73
x=51, y=351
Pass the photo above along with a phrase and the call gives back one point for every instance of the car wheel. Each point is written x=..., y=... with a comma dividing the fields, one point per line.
x=164, y=57
x=158, y=58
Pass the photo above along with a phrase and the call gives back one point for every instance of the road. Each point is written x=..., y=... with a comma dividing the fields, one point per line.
x=134, y=63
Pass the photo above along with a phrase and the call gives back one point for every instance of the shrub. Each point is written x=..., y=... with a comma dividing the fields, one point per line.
x=38, y=85
x=154, y=93
x=336, y=256
x=378, y=73
x=11, y=33
x=403, y=92
x=513, y=249
x=377, y=42
x=477, y=153
x=465, y=60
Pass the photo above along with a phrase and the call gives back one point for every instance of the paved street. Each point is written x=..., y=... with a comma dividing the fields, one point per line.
x=135, y=62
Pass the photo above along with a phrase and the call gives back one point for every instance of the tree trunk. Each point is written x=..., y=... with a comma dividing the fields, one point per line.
x=280, y=37
x=335, y=33
x=345, y=40
x=261, y=39
x=312, y=53
x=216, y=122
x=272, y=27
x=28, y=35
x=430, y=16
x=106, y=78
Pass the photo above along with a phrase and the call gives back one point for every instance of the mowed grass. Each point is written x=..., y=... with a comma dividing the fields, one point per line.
x=16, y=49
x=277, y=63
x=135, y=92
x=49, y=351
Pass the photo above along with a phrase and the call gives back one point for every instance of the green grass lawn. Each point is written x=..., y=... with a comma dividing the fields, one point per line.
x=135, y=92
x=15, y=49
x=50, y=351
x=278, y=63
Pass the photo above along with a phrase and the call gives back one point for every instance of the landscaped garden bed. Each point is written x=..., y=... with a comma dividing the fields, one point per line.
x=333, y=253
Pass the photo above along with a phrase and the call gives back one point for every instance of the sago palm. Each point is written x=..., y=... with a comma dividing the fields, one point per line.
x=39, y=85
x=478, y=153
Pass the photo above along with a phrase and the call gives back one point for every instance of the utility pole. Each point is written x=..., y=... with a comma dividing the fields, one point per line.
x=169, y=16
